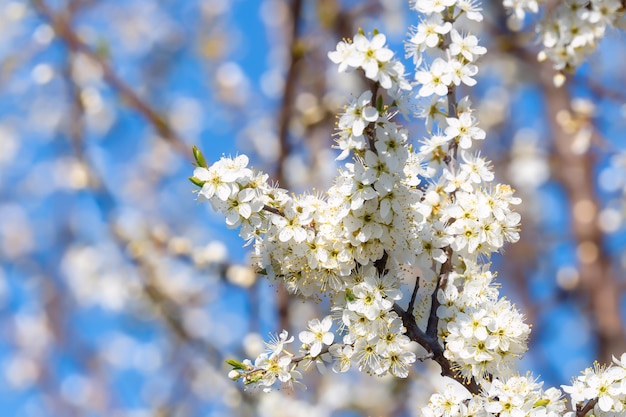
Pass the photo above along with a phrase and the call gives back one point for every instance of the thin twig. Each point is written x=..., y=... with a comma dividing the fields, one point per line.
x=381, y=264
x=587, y=408
x=416, y=288
x=434, y=348
x=64, y=31
x=273, y=210
x=433, y=319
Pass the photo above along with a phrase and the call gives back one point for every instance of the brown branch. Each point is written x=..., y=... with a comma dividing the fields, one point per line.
x=416, y=288
x=446, y=268
x=381, y=264
x=433, y=319
x=64, y=31
x=582, y=412
x=296, y=51
x=273, y=210
x=433, y=347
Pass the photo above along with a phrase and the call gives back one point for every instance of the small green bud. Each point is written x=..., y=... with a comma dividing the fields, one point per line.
x=541, y=403
x=103, y=50
x=236, y=364
x=196, y=181
x=252, y=379
x=197, y=155
x=379, y=104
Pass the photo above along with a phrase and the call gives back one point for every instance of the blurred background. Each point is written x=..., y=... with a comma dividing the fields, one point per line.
x=121, y=295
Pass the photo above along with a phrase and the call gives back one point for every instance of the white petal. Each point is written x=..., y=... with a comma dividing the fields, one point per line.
x=285, y=234
x=316, y=349
x=306, y=337
x=328, y=338
x=201, y=173
x=245, y=210
x=327, y=323
x=370, y=114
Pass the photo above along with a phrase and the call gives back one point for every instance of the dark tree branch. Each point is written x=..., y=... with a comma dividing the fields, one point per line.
x=446, y=268
x=381, y=264
x=416, y=288
x=434, y=348
x=273, y=210
x=582, y=411
x=433, y=320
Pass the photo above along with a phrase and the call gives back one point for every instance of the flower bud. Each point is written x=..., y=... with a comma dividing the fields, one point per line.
x=196, y=181
x=236, y=364
x=197, y=155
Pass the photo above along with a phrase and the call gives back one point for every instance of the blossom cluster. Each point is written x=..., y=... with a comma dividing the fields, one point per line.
x=572, y=31
x=372, y=56
x=373, y=336
x=513, y=396
x=454, y=63
x=274, y=364
x=606, y=384
x=483, y=334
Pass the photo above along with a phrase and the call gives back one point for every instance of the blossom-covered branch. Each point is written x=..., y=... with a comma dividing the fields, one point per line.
x=399, y=204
